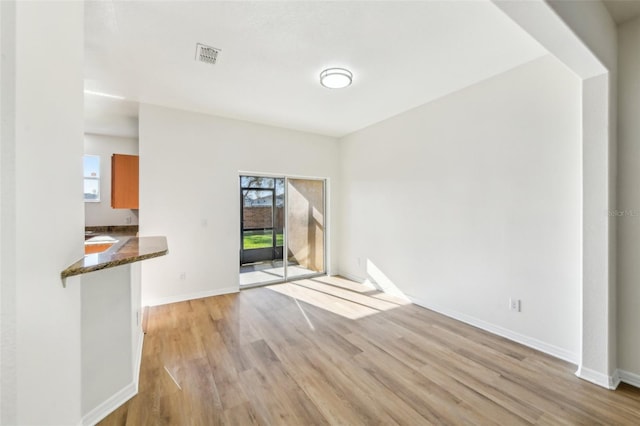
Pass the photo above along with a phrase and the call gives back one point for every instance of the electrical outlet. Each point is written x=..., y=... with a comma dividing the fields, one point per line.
x=514, y=305
x=183, y=276
x=128, y=220
x=359, y=261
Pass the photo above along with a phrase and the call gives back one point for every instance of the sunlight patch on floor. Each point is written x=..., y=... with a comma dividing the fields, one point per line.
x=382, y=282
x=330, y=294
x=348, y=295
x=304, y=314
x=346, y=284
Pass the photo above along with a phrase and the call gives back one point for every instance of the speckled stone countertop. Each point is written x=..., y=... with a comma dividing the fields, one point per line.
x=112, y=231
x=126, y=250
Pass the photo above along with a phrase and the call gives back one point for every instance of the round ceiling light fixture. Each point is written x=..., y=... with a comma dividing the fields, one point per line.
x=336, y=78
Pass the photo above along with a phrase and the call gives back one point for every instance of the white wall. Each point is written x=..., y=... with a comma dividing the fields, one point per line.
x=189, y=191
x=42, y=176
x=593, y=25
x=111, y=339
x=629, y=198
x=8, y=317
x=101, y=214
x=106, y=335
x=473, y=199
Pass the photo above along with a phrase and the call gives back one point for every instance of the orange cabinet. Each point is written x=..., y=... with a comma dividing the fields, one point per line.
x=124, y=181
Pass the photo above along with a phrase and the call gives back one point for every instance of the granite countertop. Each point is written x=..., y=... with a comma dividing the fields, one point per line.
x=125, y=250
x=112, y=231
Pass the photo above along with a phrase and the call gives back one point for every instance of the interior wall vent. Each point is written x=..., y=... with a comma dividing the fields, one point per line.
x=207, y=54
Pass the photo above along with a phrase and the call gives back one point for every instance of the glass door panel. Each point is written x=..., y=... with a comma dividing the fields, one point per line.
x=261, y=233
x=257, y=222
x=305, y=227
x=278, y=218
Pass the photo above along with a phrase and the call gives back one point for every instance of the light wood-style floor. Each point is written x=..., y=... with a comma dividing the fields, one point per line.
x=329, y=351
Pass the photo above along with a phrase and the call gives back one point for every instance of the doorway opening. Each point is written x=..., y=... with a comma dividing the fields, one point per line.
x=281, y=218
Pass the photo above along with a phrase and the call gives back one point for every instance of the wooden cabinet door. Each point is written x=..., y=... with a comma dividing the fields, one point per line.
x=124, y=181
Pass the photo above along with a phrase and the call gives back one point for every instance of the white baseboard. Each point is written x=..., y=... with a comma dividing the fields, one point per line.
x=614, y=380
x=597, y=378
x=191, y=296
x=629, y=378
x=107, y=407
x=122, y=396
x=348, y=276
x=500, y=331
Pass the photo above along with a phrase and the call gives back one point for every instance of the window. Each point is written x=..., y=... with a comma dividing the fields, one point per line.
x=91, y=165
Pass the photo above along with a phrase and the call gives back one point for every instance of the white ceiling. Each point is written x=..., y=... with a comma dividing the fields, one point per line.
x=106, y=116
x=402, y=55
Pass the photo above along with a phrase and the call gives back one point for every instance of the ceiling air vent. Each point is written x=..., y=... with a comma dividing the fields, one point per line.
x=206, y=54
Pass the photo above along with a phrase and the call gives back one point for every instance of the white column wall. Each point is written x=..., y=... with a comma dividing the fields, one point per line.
x=42, y=211
x=583, y=36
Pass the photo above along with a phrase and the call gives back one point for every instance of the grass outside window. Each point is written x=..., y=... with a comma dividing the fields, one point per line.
x=261, y=239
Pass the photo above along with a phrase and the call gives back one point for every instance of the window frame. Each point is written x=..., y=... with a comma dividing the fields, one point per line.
x=91, y=178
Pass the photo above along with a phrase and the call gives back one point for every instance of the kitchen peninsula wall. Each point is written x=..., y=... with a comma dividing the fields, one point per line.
x=101, y=213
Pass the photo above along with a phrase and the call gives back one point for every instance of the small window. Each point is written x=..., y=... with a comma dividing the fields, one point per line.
x=91, y=178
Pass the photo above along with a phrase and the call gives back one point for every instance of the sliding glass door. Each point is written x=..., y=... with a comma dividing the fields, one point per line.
x=279, y=216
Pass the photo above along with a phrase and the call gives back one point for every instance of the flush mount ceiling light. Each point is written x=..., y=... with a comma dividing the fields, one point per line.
x=336, y=78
